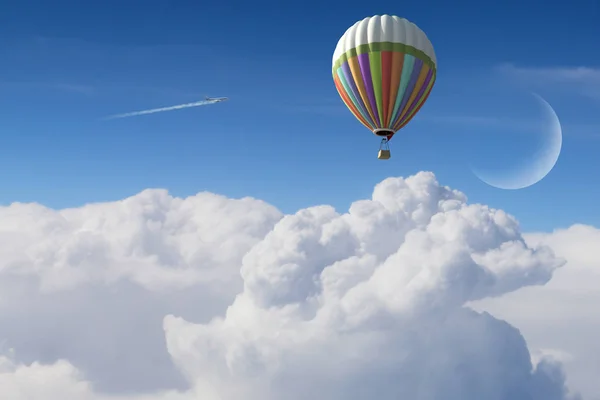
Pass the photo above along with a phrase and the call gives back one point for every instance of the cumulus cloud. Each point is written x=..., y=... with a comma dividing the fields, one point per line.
x=152, y=239
x=560, y=320
x=92, y=284
x=251, y=304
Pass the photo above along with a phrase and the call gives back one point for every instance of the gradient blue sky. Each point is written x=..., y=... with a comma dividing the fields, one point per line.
x=285, y=136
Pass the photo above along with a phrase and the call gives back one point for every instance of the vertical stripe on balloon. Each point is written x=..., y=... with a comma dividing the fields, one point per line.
x=365, y=69
x=351, y=106
x=386, y=78
x=348, y=93
x=414, y=76
x=427, y=74
x=397, y=63
x=422, y=101
x=417, y=89
x=407, y=67
x=375, y=67
x=357, y=75
x=353, y=92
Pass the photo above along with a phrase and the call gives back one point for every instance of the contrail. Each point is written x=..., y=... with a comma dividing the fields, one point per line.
x=156, y=110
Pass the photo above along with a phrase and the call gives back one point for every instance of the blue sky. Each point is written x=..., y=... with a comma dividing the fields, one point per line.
x=285, y=136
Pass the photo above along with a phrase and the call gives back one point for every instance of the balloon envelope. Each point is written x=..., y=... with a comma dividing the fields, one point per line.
x=384, y=68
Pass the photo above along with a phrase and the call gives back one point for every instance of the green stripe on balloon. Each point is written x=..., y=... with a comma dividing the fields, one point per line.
x=375, y=64
x=384, y=46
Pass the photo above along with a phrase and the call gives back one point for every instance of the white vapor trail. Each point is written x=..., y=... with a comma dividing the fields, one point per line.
x=156, y=110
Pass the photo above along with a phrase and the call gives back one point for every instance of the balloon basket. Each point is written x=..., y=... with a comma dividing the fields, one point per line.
x=384, y=155
x=384, y=150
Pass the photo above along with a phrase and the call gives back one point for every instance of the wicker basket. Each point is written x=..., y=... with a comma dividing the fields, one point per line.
x=384, y=155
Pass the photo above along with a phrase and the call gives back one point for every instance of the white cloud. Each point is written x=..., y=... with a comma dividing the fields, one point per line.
x=562, y=74
x=152, y=239
x=585, y=80
x=92, y=284
x=359, y=305
x=511, y=125
x=561, y=318
x=60, y=381
x=518, y=125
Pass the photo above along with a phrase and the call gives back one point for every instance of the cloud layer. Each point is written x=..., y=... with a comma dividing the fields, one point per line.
x=161, y=298
x=560, y=319
x=584, y=80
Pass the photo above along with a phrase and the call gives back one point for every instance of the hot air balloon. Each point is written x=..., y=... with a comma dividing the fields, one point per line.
x=384, y=68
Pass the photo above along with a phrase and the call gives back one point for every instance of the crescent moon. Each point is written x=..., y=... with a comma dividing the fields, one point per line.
x=540, y=164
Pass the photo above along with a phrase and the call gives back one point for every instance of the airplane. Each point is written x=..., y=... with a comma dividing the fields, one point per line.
x=217, y=99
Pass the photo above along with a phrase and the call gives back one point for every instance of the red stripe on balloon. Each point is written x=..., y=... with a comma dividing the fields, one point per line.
x=386, y=77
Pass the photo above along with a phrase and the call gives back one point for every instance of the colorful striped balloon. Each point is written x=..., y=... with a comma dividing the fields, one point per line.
x=384, y=68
